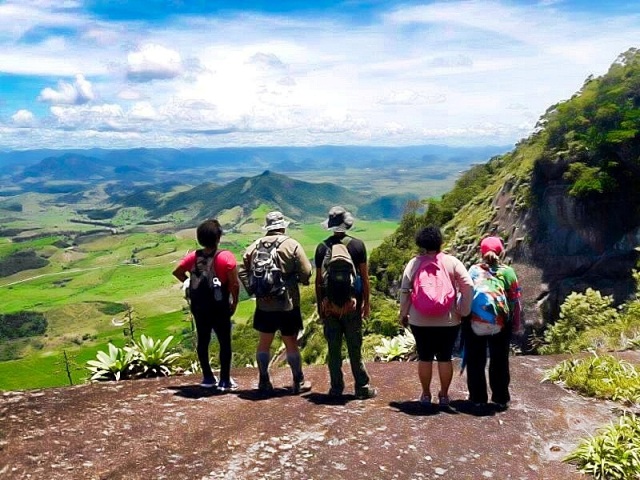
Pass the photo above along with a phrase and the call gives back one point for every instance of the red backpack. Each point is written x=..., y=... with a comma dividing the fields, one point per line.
x=433, y=294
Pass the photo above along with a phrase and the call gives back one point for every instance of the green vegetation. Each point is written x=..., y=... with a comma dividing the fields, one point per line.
x=145, y=357
x=22, y=324
x=401, y=347
x=614, y=452
x=603, y=377
x=589, y=321
x=598, y=128
x=91, y=285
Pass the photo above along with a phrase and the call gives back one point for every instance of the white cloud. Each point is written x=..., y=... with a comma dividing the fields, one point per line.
x=410, y=97
x=77, y=93
x=458, y=71
x=153, y=62
x=23, y=118
x=144, y=111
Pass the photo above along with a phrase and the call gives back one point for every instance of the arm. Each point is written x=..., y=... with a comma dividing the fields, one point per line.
x=515, y=305
x=304, y=266
x=405, y=297
x=363, y=271
x=180, y=273
x=243, y=270
x=318, y=285
x=234, y=288
x=465, y=287
x=185, y=265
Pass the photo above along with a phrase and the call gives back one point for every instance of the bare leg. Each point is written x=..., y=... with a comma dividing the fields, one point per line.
x=424, y=374
x=445, y=370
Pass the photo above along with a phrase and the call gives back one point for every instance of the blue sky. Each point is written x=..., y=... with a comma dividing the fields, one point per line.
x=179, y=73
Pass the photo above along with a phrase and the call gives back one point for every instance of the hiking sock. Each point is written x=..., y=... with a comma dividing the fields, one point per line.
x=295, y=362
x=262, y=358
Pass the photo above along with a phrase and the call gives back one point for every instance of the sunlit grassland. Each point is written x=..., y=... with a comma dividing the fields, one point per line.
x=100, y=269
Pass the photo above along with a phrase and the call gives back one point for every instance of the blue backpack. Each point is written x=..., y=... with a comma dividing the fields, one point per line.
x=489, y=309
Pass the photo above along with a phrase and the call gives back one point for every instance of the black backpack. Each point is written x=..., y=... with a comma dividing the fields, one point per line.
x=206, y=293
x=339, y=274
x=266, y=278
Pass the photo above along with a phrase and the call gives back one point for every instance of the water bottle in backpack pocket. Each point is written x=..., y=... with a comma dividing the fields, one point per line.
x=206, y=293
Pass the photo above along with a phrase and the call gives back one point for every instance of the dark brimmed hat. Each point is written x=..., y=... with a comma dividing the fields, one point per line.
x=275, y=221
x=339, y=220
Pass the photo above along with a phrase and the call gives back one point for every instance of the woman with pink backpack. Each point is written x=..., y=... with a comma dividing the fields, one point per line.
x=436, y=291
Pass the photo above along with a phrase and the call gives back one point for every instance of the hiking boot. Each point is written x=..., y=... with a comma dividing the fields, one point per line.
x=208, y=382
x=301, y=386
x=443, y=400
x=334, y=394
x=227, y=385
x=425, y=399
x=366, y=392
x=265, y=387
x=501, y=407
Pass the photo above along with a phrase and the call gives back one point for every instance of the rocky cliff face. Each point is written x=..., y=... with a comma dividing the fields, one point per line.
x=560, y=243
x=567, y=199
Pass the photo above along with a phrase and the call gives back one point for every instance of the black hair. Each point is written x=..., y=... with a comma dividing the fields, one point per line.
x=429, y=238
x=208, y=233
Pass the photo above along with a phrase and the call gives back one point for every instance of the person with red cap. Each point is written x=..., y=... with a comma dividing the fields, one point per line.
x=495, y=315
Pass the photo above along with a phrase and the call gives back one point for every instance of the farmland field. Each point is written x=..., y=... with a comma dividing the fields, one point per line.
x=84, y=290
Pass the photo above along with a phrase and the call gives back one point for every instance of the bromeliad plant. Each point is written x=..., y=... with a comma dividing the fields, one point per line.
x=400, y=347
x=615, y=452
x=151, y=357
x=612, y=454
x=145, y=358
x=115, y=365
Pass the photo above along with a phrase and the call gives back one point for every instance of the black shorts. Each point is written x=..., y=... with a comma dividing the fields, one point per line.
x=435, y=342
x=289, y=323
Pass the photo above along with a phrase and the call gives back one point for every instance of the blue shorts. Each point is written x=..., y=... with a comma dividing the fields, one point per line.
x=435, y=342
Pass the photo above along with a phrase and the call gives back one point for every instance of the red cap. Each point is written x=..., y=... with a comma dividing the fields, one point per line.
x=491, y=244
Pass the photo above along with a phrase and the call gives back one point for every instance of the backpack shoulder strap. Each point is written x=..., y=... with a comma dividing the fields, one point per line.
x=213, y=262
x=281, y=240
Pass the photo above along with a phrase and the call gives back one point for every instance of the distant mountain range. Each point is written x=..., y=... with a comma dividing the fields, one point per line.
x=300, y=200
x=189, y=184
x=197, y=165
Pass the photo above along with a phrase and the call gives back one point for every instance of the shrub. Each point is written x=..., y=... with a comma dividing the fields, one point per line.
x=599, y=376
x=578, y=313
x=22, y=324
x=612, y=454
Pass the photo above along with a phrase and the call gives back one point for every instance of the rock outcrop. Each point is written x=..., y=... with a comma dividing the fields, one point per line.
x=171, y=428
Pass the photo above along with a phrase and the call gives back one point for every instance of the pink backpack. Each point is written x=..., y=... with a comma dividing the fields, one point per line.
x=433, y=293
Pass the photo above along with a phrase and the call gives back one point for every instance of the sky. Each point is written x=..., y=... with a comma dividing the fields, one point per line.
x=203, y=73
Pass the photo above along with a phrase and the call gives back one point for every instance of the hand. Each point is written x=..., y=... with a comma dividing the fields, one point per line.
x=404, y=320
x=365, y=310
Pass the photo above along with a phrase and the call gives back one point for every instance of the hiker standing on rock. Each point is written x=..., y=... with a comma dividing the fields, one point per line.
x=495, y=315
x=271, y=269
x=435, y=292
x=212, y=293
x=342, y=295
